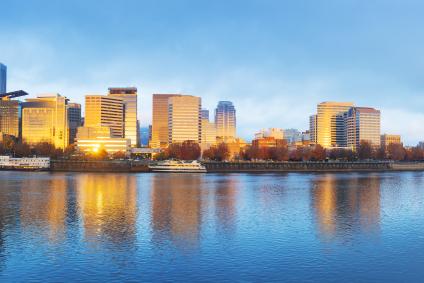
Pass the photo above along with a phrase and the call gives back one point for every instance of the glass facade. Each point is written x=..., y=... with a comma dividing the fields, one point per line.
x=225, y=121
x=330, y=131
x=9, y=117
x=362, y=124
x=44, y=119
x=184, y=120
x=159, y=132
x=105, y=111
x=74, y=120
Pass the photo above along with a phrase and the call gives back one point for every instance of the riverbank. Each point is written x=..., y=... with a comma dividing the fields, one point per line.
x=235, y=167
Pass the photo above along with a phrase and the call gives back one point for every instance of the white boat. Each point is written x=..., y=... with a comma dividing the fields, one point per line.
x=178, y=167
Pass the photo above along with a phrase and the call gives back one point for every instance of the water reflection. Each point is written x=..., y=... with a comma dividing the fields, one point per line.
x=343, y=205
x=226, y=193
x=108, y=207
x=44, y=210
x=176, y=209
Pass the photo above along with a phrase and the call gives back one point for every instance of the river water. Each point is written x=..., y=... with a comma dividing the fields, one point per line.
x=89, y=227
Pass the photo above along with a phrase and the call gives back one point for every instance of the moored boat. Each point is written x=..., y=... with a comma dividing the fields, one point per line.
x=178, y=167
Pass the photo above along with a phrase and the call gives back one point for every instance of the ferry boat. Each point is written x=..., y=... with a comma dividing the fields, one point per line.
x=178, y=167
x=25, y=163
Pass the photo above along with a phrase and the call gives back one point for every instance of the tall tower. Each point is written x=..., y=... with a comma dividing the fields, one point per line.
x=225, y=121
x=159, y=132
x=105, y=111
x=45, y=119
x=184, y=120
x=330, y=131
x=3, y=78
x=74, y=120
x=10, y=113
x=362, y=124
x=129, y=97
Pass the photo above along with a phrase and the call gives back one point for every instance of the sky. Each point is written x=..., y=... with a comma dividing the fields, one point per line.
x=275, y=60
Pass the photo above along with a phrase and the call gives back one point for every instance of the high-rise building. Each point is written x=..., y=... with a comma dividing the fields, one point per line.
x=105, y=111
x=45, y=119
x=386, y=140
x=362, y=124
x=129, y=98
x=184, y=120
x=10, y=113
x=3, y=78
x=208, y=129
x=225, y=121
x=74, y=120
x=313, y=128
x=160, y=133
x=330, y=124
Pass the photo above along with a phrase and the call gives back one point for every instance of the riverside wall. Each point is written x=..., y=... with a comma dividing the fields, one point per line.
x=217, y=167
x=99, y=166
x=234, y=167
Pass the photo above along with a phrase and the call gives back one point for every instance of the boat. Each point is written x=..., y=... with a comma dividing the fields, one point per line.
x=177, y=166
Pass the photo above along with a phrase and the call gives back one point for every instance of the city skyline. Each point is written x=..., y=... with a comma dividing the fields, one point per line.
x=213, y=49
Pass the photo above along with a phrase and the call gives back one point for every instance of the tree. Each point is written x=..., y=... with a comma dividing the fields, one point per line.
x=318, y=153
x=69, y=151
x=9, y=143
x=364, y=150
x=174, y=151
x=118, y=155
x=222, y=152
x=218, y=153
x=22, y=150
x=279, y=153
x=43, y=149
x=190, y=150
x=297, y=154
x=396, y=151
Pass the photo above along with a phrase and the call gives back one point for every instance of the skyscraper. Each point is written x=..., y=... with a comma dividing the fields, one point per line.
x=160, y=134
x=225, y=121
x=362, y=124
x=9, y=113
x=105, y=111
x=45, y=119
x=184, y=122
x=330, y=124
x=74, y=120
x=129, y=98
x=3, y=78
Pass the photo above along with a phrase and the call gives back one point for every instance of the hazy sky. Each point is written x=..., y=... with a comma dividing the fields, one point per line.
x=274, y=59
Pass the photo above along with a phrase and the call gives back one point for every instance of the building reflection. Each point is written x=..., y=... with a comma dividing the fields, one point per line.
x=45, y=210
x=108, y=207
x=225, y=205
x=176, y=209
x=343, y=206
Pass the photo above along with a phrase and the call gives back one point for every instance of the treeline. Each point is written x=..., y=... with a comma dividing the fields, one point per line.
x=365, y=151
x=10, y=146
x=13, y=147
x=188, y=150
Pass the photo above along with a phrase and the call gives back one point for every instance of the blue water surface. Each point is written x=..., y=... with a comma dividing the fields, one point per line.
x=89, y=227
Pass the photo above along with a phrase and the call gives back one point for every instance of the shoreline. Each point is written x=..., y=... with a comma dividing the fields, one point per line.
x=127, y=166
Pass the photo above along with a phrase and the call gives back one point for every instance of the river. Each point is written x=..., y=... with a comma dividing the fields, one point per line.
x=295, y=227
